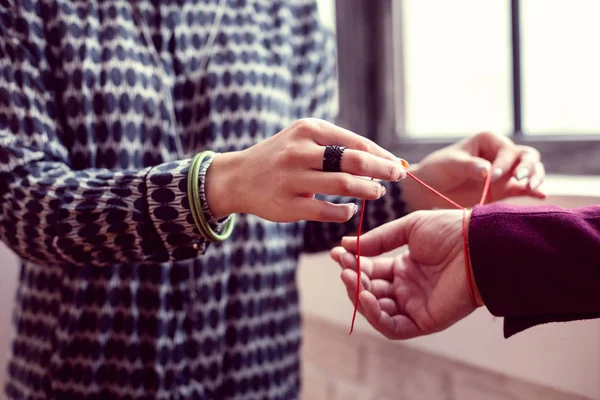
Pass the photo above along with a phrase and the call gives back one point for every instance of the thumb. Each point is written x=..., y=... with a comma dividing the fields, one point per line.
x=384, y=238
x=462, y=165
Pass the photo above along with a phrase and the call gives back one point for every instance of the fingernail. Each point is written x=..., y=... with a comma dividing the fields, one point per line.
x=481, y=170
x=383, y=191
x=403, y=162
x=522, y=173
x=534, y=183
x=354, y=208
x=496, y=174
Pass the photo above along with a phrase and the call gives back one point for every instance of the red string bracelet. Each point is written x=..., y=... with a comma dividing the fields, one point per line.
x=486, y=190
x=466, y=255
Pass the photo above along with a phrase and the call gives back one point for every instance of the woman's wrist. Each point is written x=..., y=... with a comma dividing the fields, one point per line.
x=222, y=184
x=416, y=197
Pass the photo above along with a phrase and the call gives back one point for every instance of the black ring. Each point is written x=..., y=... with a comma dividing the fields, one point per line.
x=332, y=159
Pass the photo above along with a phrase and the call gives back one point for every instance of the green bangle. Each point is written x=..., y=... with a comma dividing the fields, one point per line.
x=196, y=206
x=228, y=225
x=193, y=176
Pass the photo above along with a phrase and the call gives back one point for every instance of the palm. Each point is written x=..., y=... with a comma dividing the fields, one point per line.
x=425, y=292
x=421, y=291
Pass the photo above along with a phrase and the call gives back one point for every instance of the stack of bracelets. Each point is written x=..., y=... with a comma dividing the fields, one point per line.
x=196, y=205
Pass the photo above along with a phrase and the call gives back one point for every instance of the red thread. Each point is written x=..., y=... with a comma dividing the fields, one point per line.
x=360, y=222
x=466, y=255
x=435, y=191
x=486, y=191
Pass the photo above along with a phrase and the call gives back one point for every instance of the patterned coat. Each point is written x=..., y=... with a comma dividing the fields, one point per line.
x=119, y=297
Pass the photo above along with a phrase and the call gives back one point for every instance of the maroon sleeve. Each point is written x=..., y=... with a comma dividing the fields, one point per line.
x=536, y=264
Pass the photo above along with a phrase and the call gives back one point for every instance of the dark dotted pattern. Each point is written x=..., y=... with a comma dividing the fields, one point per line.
x=119, y=296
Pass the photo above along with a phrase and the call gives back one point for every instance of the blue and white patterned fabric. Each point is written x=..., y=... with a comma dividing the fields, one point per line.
x=119, y=297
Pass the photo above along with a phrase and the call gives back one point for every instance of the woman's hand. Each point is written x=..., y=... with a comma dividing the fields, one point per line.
x=278, y=178
x=459, y=172
x=422, y=291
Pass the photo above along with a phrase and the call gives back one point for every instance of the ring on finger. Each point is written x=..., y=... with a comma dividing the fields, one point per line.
x=332, y=158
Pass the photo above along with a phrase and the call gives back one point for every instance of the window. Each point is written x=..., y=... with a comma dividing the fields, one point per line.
x=560, y=47
x=527, y=69
x=456, y=66
x=327, y=13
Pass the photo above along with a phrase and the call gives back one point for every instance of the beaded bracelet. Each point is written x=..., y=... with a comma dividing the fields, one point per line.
x=196, y=205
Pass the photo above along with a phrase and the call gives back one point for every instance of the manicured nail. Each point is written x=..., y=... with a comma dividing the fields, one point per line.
x=403, y=162
x=522, y=173
x=496, y=174
x=534, y=183
x=383, y=191
x=481, y=170
x=354, y=208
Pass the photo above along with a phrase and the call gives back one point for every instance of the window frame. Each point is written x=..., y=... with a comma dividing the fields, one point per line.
x=370, y=56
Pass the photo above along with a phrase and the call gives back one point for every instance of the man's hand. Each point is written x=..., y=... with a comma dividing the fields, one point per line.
x=459, y=172
x=422, y=291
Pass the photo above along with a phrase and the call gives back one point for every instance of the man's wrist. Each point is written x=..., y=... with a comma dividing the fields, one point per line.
x=476, y=293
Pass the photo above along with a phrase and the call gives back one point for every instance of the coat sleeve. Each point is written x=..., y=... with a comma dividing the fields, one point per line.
x=536, y=264
x=51, y=213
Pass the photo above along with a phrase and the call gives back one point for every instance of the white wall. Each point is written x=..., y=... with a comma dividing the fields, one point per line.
x=8, y=283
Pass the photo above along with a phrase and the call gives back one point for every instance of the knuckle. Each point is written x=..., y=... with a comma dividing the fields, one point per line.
x=305, y=125
x=289, y=148
x=375, y=190
x=393, y=172
x=289, y=154
x=364, y=145
x=323, y=214
x=360, y=164
x=344, y=184
x=480, y=136
x=486, y=135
